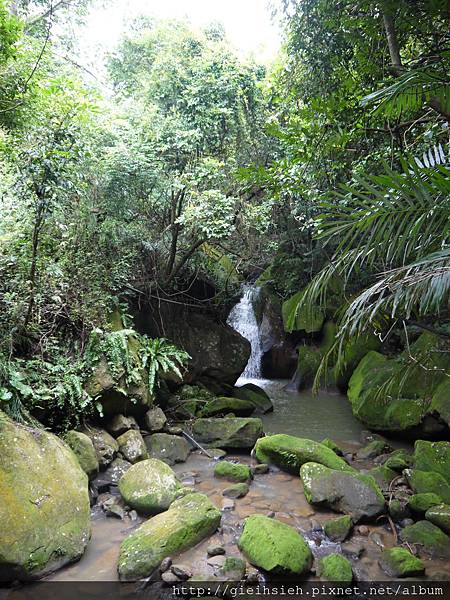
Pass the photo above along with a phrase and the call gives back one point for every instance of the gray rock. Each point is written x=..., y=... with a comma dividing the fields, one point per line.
x=132, y=446
x=155, y=419
x=181, y=571
x=261, y=469
x=116, y=470
x=106, y=447
x=238, y=432
x=120, y=424
x=165, y=565
x=170, y=449
x=215, y=550
x=170, y=578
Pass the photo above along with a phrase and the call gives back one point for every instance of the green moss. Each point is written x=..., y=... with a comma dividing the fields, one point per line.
x=423, y=482
x=83, y=448
x=231, y=471
x=439, y=516
x=399, y=562
x=399, y=460
x=309, y=360
x=236, y=491
x=309, y=319
x=338, y=529
x=398, y=510
x=336, y=568
x=149, y=486
x=331, y=444
x=353, y=352
x=440, y=403
x=256, y=395
x=420, y=503
x=224, y=405
x=290, y=453
x=228, y=433
x=433, y=456
x=233, y=569
x=188, y=521
x=383, y=476
x=373, y=449
x=274, y=546
x=431, y=538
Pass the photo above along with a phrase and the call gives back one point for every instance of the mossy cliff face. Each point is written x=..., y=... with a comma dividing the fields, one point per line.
x=395, y=395
x=188, y=521
x=290, y=453
x=44, y=508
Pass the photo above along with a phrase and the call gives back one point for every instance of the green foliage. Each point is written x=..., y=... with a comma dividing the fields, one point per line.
x=161, y=357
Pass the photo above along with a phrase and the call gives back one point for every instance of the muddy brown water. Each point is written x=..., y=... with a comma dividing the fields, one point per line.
x=301, y=414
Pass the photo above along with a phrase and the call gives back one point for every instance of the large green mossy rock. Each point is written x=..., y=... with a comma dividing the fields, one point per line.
x=399, y=460
x=337, y=530
x=171, y=449
x=388, y=395
x=423, y=482
x=44, y=503
x=188, y=521
x=274, y=546
x=236, y=432
x=335, y=567
x=440, y=516
x=399, y=562
x=256, y=395
x=232, y=471
x=420, y=503
x=149, y=486
x=351, y=493
x=383, y=476
x=433, y=456
x=83, y=448
x=223, y=406
x=432, y=539
x=290, y=453
x=352, y=354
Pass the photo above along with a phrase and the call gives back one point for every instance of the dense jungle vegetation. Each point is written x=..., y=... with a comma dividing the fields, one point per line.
x=324, y=175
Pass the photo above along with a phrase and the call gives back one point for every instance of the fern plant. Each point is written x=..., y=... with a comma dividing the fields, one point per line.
x=160, y=356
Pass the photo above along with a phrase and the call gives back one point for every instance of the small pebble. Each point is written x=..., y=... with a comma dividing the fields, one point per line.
x=133, y=515
x=228, y=504
x=165, y=565
x=181, y=571
x=270, y=514
x=363, y=530
x=215, y=550
x=261, y=469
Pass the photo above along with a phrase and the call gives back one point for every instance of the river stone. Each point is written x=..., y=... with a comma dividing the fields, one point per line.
x=120, y=424
x=256, y=395
x=432, y=539
x=83, y=448
x=236, y=491
x=132, y=446
x=398, y=460
x=232, y=472
x=439, y=516
x=336, y=568
x=233, y=569
x=433, y=456
x=223, y=405
x=399, y=562
x=228, y=433
x=149, y=486
x=44, y=507
x=373, y=449
x=105, y=445
x=383, y=476
x=274, y=546
x=290, y=453
x=116, y=470
x=420, y=503
x=337, y=530
x=424, y=482
x=170, y=449
x=188, y=521
x=348, y=492
x=155, y=419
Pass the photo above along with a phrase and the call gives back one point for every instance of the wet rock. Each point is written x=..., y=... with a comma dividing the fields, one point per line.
x=406, y=522
x=188, y=521
x=171, y=449
x=290, y=453
x=155, y=419
x=233, y=569
x=373, y=449
x=228, y=504
x=399, y=562
x=217, y=453
x=439, y=516
x=315, y=525
x=383, y=477
x=363, y=530
x=256, y=395
x=232, y=472
x=433, y=456
x=432, y=539
x=166, y=564
x=274, y=546
x=398, y=510
x=236, y=491
x=398, y=460
x=120, y=424
x=270, y=514
x=83, y=448
x=228, y=433
x=173, y=430
x=348, y=492
x=423, y=482
x=132, y=446
x=337, y=530
x=181, y=571
x=225, y=406
x=217, y=561
x=353, y=549
x=332, y=446
x=44, y=507
x=112, y=508
x=116, y=470
x=261, y=469
x=106, y=447
x=336, y=568
x=215, y=550
x=420, y=503
x=149, y=486
x=133, y=515
x=170, y=578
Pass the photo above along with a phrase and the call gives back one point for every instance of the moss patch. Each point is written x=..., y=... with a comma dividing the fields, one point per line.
x=420, y=503
x=83, y=448
x=433, y=456
x=399, y=562
x=335, y=567
x=231, y=471
x=224, y=405
x=432, y=539
x=440, y=516
x=337, y=530
x=423, y=482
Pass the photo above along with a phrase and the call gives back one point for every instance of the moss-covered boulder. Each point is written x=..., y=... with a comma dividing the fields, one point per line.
x=290, y=453
x=132, y=446
x=399, y=562
x=433, y=456
x=149, y=486
x=155, y=419
x=351, y=493
x=232, y=472
x=440, y=516
x=426, y=535
x=337, y=530
x=440, y=402
x=424, y=482
x=233, y=569
x=331, y=444
x=420, y=503
x=256, y=395
x=228, y=433
x=188, y=521
x=336, y=568
x=83, y=448
x=383, y=476
x=44, y=503
x=171, y=449
x=399, y=460
x=223, y=405
x=274, y=546
x=373, y=449
x=309, y=359
x=352, y=354
x=106, y=447
x=236, y=491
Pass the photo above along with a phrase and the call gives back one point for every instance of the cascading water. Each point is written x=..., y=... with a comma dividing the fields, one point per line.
x=242, y=318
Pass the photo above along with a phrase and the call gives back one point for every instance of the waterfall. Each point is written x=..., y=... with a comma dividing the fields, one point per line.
x=242, y=318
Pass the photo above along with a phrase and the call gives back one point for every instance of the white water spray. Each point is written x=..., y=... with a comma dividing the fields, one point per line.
x=242, y=318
